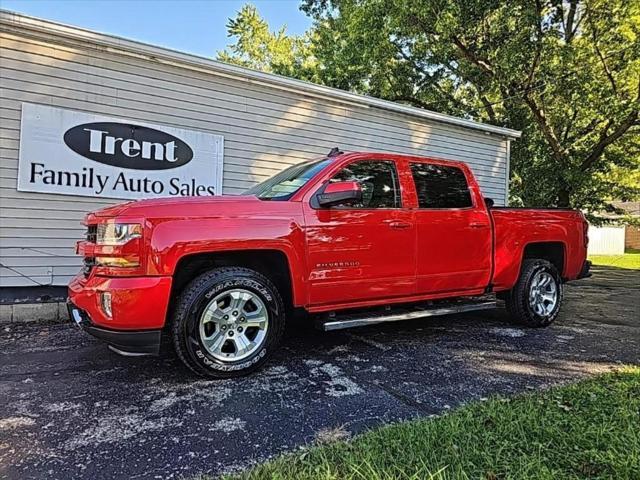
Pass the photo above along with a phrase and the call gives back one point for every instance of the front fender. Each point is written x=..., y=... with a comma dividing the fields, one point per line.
x=171, y=240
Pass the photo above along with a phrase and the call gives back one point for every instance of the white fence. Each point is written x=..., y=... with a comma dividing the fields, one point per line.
x=606, y=240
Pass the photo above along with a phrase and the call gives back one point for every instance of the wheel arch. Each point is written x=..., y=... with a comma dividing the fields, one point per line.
x=272, y=263
x=554, y=252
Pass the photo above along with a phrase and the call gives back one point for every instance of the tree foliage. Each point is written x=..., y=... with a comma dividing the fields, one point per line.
x=257, y=47
x=565, y=72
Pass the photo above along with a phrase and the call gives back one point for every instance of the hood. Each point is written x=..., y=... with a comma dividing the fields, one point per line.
x=183, y=207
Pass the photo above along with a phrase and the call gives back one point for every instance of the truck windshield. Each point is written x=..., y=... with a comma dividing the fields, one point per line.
x=283, y=185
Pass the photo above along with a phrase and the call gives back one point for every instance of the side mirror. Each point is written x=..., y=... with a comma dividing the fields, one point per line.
x=488, y=202
x=339, y=192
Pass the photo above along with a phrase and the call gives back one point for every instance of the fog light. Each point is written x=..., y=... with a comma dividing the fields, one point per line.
x=105, y=303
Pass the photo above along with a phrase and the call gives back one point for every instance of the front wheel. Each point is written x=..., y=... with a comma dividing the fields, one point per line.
x=227, y=322
x=537, y=296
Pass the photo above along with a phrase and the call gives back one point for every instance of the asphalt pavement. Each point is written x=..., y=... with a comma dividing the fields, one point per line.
x=71, y=409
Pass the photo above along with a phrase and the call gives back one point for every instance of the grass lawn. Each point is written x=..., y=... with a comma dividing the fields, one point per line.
x=630, y=260
x=587, y=430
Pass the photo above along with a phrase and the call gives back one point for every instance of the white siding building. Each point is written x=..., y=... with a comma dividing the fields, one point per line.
x=266, y=122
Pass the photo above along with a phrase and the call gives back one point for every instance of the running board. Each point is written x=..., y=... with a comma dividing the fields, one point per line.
x=338, y=321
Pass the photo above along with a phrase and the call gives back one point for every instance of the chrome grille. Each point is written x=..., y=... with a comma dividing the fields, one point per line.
x=90, y=262
x=92, y=233
x=87, y=266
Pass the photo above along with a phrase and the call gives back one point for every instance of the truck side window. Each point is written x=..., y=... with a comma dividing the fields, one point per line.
x=379, y=182
x=440, y=186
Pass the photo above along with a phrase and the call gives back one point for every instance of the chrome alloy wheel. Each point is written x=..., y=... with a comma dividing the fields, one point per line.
x=234, y=325
x=543, y=294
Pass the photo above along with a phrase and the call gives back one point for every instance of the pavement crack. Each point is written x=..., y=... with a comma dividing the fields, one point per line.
x=406, y=399
x=368, y=341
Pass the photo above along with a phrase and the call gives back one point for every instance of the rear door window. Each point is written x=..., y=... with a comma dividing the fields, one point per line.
x=440, y=186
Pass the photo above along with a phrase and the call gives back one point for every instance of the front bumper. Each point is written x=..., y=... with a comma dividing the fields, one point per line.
x=586, y=270
x=138, y=310
x=138, y=303
x=127, y=342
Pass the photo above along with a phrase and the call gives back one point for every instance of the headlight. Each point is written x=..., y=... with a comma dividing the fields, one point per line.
x=118, y=233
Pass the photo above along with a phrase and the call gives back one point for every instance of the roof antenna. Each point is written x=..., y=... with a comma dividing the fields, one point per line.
x=335, y=151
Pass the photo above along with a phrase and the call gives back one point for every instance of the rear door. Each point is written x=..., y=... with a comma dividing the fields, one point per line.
x=453, y=230
x=362, y=251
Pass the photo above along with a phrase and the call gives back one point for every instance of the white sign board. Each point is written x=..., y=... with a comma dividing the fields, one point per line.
x=77, y=153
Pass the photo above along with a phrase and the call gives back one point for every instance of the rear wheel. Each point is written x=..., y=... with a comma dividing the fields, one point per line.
x=537, y=296
x=227, y=322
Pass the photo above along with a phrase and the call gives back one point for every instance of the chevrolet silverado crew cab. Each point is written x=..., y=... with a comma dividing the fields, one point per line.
x=352, y=239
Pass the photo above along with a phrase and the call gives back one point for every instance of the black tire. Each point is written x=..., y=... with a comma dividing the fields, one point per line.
x=192, y=303
x=517, y=301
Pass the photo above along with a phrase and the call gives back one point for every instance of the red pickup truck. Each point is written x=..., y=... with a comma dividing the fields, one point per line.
x=351, y=239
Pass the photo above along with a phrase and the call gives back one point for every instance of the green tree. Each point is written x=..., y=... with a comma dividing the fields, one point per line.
x=259, y=48
x=566, y=73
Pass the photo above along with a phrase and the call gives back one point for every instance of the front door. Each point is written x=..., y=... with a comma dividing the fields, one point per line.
x=362, y=251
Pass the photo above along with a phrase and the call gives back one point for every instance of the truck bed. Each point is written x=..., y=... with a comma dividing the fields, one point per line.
x=514, y=228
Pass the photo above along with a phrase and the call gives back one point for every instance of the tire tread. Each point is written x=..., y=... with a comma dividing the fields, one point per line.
x=517, y=300
x=191, y=292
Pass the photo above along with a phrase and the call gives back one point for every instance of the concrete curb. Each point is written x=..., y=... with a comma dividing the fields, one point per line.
x=33, y=312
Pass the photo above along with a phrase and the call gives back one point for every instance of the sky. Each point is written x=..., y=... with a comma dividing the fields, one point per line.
x=193, y=26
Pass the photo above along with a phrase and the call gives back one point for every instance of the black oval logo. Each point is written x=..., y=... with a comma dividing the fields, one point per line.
x=128, y=146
